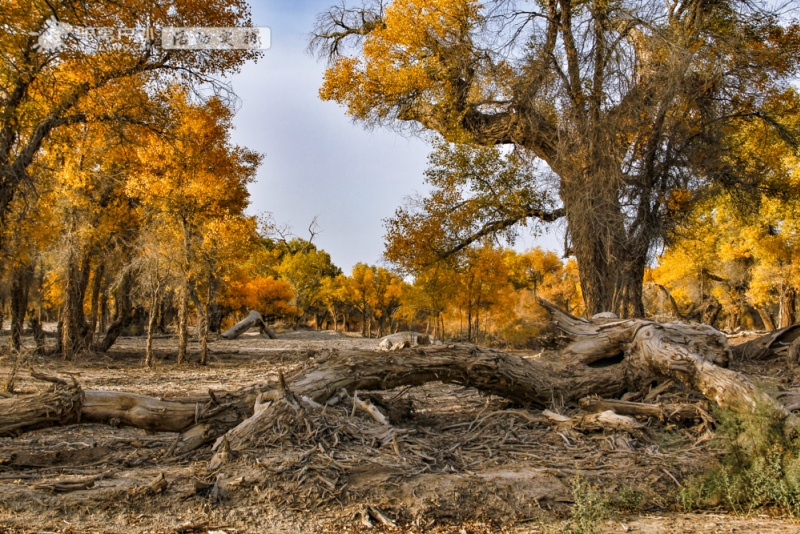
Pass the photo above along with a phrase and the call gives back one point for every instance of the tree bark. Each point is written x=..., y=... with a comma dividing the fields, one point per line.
x=766, y=318
x=606, y=358
x=610, y=261
x=183, y=324
x=253, y=319
x=787, y=305
x=74, y=330
x=22, y=276
x=783, y=343
x=97, y=289
x=61, y=405
x=152, y=318
x=122, y=312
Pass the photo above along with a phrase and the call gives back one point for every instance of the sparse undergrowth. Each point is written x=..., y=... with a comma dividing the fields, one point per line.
x=759, y=468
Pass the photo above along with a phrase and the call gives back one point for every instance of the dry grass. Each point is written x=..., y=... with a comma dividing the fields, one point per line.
x=459, y=460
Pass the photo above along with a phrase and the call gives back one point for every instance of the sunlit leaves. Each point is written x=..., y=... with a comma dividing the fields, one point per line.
x=409, y=55
x=476, y=192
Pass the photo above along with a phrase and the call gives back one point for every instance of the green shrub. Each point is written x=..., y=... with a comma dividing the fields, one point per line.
x=759, y=467
x=590, y=508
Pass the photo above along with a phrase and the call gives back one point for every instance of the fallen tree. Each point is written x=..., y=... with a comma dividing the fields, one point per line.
x=780, y=343
x=253, y=319
x=606, y=357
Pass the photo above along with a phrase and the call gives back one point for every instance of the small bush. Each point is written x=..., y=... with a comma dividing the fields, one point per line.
x=760, y=467
x=590, y=508
x=629, y=499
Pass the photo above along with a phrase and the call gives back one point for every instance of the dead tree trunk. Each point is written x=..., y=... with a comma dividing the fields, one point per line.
x=606, y=358
x=253, y=319
x=784, y=342
x=61, y=405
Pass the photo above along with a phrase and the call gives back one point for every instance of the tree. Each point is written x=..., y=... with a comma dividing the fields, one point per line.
x=624, y=102
x=387, y=292
x=194, y=179
x=45, y=89
x=738, y=249
x=476, y=193
x=358, y=289
x=271, y=296
x=305, y=268
x=483, y=289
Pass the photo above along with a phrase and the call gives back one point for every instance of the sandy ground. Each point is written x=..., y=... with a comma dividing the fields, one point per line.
x=461, y=462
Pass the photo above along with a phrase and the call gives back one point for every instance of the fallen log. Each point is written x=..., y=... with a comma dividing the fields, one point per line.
x=253, y=319
x=607, y=358
x=676, y=413
x=780, y=343
x=400, y=340
x=59, y=406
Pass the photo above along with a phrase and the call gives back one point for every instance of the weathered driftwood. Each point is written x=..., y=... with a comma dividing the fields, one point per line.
x=400, y=340
x=59, y=406
x=252, y=320
x=676, y=413
x=694, y=355
x=784, y=342
x=607, y=357
x=607, y=420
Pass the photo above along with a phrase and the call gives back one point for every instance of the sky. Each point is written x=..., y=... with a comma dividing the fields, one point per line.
x=318, y=163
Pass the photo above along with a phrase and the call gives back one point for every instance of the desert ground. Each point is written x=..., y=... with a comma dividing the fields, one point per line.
x=452, y=459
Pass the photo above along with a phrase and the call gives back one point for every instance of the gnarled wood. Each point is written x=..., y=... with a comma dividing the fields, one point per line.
x=783, y=342
x=666, y=412
x=253, y=319
x=26, y=412
x=607, y=357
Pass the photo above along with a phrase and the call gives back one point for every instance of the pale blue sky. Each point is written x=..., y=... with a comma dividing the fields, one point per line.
x=318, y=163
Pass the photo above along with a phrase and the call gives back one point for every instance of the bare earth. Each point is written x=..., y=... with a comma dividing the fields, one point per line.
x=458, y=462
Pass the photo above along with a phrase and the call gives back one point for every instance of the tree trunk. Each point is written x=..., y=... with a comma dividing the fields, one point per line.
x=61, y=405
x=780, y=343
x=183, y=324
x=104, y=313
x=22, y=276
x=122, y=312
x=38, y=332
x=74, y=330
x=607, y=358
x=97, y=289
x=611, y=257
x=766, y=318
x=203, y=327
x=787, y=312
x=151, y=327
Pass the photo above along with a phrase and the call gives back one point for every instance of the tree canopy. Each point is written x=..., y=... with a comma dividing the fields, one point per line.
x=628, y=104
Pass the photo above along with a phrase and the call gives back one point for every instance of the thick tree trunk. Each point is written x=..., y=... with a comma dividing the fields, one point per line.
x=784, y=343
x=38, y=332
x=61, y=405
x=611, y=262
x=766, y=318
x=122, y=312
x=607, y=358
x=787, y=305
x=74, y=330
x=22, y=276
